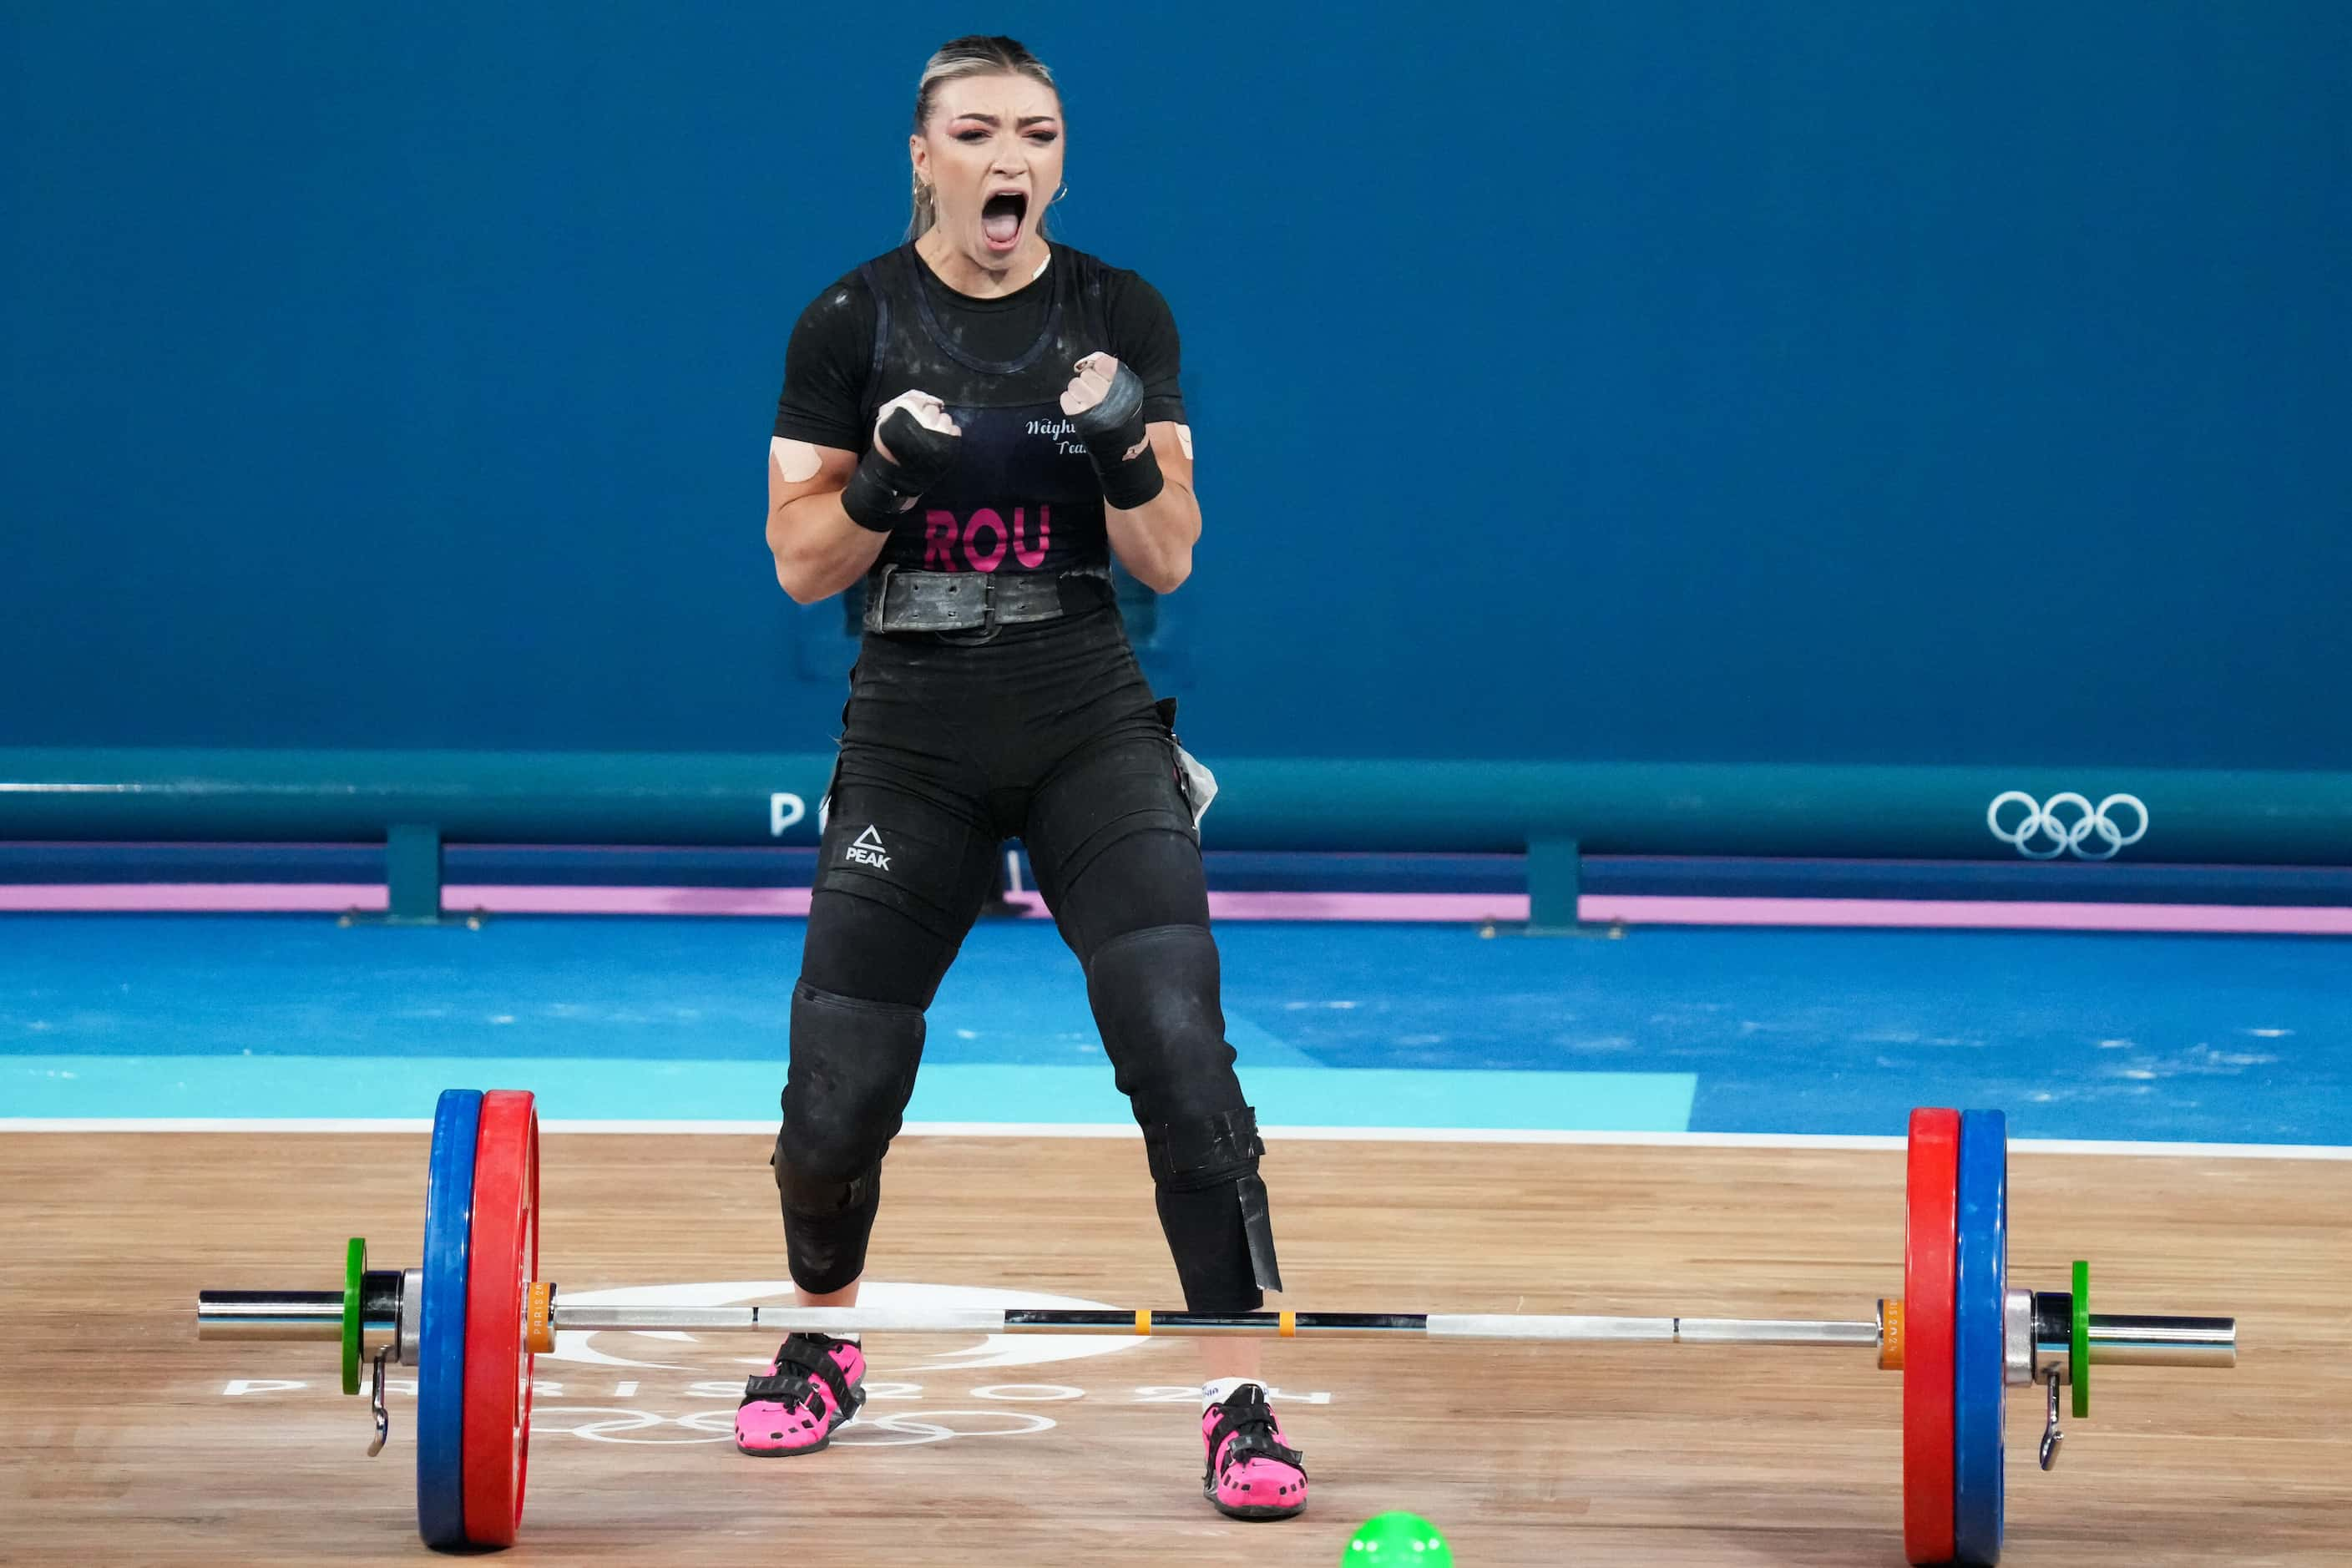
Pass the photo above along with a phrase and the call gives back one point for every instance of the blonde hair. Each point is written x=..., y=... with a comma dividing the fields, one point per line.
x=976, y=55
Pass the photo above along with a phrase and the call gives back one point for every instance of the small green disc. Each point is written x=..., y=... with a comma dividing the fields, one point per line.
x=1393, y=1538
x=354, y=1267
x=2078, y=1357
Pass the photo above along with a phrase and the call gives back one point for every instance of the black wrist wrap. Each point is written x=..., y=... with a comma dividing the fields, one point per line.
x=1123, y=459
x=881, y=491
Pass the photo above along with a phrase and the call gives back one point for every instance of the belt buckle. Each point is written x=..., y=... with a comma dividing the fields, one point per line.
x=987, y=601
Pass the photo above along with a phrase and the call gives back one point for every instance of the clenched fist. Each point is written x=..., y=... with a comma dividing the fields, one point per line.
x=1105, y=401
x=915, y=444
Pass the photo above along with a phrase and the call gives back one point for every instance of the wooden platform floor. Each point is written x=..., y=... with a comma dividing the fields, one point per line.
x=122, y=1442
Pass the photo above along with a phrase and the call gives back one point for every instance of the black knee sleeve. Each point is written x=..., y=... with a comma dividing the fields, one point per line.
x=1212, y=1207
x=1154, y=995
x=1155, y=998
x=852, y=1067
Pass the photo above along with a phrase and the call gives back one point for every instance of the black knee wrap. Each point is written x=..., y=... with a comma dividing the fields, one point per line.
x=1155, y=999
x=1210, y=1197
x=852, y=1067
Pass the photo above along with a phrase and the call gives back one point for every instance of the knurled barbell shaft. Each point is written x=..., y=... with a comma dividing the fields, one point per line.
x=318, y=1315
x=1245, y=1325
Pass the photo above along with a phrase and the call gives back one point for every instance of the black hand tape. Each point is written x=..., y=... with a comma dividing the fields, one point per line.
x=1113, y=432
x=881, y=491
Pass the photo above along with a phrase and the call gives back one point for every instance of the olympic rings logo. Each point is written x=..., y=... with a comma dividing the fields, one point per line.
x=2068, y=823
x=898, y=1429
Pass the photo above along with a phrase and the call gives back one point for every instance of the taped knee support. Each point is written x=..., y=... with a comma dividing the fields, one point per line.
x=1212, y=1207
x=853, y=1068
x=1155, y=999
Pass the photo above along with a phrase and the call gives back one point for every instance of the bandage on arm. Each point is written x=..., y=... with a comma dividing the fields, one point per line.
x=818, y=550
x=1155, y=541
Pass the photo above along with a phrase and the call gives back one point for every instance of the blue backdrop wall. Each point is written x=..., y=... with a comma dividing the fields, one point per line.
x=1829, y=381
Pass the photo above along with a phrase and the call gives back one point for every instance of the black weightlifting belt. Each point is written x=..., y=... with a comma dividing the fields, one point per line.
x=903, y=601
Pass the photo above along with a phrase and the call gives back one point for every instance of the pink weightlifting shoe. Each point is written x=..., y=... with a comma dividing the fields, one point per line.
x=1251, y=1473
x=810, y=1390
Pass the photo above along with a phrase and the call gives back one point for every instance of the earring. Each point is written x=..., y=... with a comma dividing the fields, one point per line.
x=1060, y=194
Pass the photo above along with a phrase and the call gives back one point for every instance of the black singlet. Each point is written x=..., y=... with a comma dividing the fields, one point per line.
x=1023, y=496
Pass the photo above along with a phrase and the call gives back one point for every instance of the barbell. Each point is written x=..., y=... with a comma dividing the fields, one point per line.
x=472, y=1317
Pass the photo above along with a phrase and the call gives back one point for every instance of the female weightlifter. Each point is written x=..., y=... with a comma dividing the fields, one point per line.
x=971, y=425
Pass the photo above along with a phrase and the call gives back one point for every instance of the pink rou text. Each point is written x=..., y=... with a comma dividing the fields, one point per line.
x=981, y=541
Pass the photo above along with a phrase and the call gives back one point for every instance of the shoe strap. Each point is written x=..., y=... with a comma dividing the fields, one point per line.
x=1248, y=1420
x=802, y=1362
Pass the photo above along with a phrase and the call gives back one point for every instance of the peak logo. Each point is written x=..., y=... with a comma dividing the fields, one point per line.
x=868, y=850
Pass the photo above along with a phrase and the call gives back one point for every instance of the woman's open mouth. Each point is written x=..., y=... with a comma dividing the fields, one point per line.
x=1001, y=218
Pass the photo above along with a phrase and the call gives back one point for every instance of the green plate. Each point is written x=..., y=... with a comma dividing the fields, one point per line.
x=354, y=1269
x=2078, y=1360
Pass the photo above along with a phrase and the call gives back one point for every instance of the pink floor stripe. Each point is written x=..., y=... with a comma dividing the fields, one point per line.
x=791, y=901
x=323, y=898
x=1988, y=914
x=194, y=898
x=310, y=897
x=1475, y=908
x=1452, y=908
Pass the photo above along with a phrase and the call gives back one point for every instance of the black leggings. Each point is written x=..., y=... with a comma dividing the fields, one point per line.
x=1052, y=737
x=858, y=946
x=1049, y=734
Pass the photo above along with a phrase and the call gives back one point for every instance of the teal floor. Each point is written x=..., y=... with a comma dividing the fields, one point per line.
x=2230, y=1039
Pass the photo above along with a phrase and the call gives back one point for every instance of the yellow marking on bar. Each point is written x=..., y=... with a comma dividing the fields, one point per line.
x=1143, y=1321
x=1890, y=1344
x=1289, y=1325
